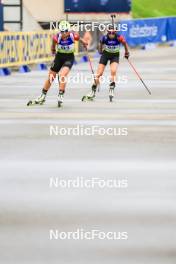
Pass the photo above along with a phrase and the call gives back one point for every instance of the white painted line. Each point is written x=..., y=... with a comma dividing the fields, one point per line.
x=90, y=165
x=148, y=101
x=154, y=123
x=121, y=111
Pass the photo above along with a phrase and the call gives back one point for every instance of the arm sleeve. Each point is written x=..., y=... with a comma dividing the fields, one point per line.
x=76, y=36
x=55, y=39
x=121, y=39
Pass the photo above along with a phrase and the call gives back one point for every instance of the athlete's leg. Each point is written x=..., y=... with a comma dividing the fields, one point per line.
x=91, y=95
x=62, y=83
x=49, y=81
x=101, y=67
x=55, y=68
x=113, y=69
x=100, y=71
x=46, y=87
x=63, y=78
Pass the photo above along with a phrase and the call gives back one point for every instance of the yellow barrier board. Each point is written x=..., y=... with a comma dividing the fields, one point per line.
x=22, y=48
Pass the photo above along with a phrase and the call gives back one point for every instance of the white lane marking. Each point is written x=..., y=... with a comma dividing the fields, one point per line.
x=121, y=111
x=74, y=123
x=148, y=101
x=90, y=165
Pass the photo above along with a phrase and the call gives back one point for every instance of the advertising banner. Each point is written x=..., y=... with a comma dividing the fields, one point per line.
x=171, y=28
x=95, y=6
x=142, y=31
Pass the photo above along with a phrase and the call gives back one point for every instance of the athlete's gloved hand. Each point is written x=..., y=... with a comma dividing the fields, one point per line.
x=127, y=55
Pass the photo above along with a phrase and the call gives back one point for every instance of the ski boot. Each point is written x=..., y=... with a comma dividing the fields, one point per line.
x=90, y=96
x=60, y=98
x=38, y=101
x=111, y=91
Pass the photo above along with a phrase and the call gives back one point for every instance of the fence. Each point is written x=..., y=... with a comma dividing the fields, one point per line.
x=24, y=48
x=19, y=48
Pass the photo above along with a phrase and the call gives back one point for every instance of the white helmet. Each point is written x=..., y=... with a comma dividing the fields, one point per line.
x=64, y=26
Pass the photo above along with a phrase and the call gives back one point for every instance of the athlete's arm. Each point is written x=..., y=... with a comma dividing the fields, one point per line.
x=100, y=47
x=53, y=46
x=122, y=40
x=77, y=38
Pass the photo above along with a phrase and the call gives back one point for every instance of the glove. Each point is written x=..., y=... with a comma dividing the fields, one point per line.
x=127, y=55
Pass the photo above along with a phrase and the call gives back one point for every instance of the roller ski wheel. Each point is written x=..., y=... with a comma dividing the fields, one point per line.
x=111, y=92
x=110, y=98
x=111, y=95
x=60, y=99
x=38, y=101
x=34, y=102
x=87, y=98
x=60, y=104
x=91, y=95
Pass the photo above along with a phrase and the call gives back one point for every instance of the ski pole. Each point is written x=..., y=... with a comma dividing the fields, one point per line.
x=67, y=13
x=134, y=69
x=113, y=23
x=91, y=67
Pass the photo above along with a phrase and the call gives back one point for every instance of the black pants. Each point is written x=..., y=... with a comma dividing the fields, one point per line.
x=62, y=60
x=107, y=56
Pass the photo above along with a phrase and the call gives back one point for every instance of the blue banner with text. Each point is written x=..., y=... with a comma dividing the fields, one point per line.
x=143, y=31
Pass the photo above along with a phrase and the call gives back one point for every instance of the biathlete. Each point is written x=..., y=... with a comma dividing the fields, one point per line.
x=63, y=48
x=109, y=48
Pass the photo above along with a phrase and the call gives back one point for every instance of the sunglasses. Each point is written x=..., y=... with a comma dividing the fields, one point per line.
x=111, y=32
x=64, y=31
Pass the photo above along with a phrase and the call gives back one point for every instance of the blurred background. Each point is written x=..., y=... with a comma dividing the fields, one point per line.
x=29, y=157
x=29, y=15
x=148, y=23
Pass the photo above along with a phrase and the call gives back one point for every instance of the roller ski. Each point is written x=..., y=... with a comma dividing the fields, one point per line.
x=60, y=98
x=90, y=96
x=111, y=91
x=38, y=101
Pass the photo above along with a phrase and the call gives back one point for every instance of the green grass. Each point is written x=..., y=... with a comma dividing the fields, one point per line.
x=153, y=8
